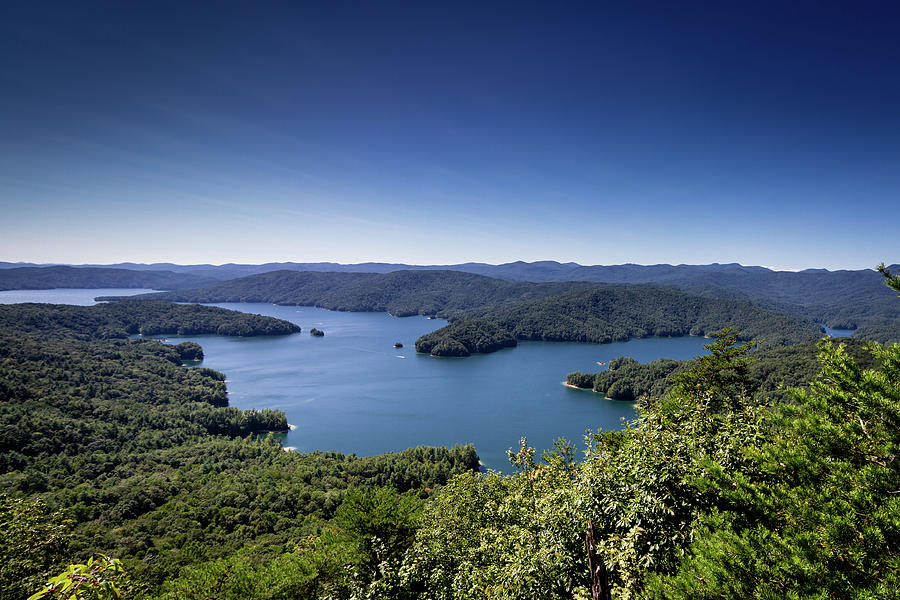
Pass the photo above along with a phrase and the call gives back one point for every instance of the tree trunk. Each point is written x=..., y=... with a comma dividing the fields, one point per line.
x=599, y=575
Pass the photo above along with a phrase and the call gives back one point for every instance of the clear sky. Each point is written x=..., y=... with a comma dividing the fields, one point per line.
x=763, y=133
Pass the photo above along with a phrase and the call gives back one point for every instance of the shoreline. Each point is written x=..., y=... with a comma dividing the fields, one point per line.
x=581, y=389
x=575, y=387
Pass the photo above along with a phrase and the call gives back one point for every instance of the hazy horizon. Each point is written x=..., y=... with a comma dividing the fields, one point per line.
x=421, y=264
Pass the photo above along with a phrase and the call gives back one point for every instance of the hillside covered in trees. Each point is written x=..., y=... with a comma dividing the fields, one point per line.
x=564, y=311
x=838, y=299
x=713, y=491
x=401, y=293
x=610, y=314
x=113, y=446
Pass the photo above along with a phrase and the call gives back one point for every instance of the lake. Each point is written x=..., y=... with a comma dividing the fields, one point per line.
x=352, y=391
x=837, y=332
x=77, y=296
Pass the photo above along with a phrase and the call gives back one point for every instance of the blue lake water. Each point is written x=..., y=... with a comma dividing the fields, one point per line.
x=352, y=391
x=77, y=296
x=838, y=332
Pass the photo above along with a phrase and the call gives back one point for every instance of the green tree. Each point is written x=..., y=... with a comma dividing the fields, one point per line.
x=638, y=490
x=494, y=536
x=377, y=526
x=892, y=281
x=33, y=543
x=98, y=579
x=819, y=516
x=189, y=351
x=247, y=575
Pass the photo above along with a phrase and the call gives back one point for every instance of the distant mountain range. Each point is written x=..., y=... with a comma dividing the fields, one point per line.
x=840, y=299
x=546, y=270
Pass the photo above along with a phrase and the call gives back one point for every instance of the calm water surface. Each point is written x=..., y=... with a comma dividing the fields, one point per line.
x=838, y=332
x=353, y=391
x=77, y=296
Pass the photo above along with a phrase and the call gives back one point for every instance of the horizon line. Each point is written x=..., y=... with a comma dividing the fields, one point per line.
x=431, y=265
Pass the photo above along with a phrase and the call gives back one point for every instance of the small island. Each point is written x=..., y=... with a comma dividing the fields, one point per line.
x=398, y=344
x=316, y=332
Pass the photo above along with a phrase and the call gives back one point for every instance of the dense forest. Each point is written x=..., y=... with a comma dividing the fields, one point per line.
x=464, y=338
x=713, y=491
x=617, y=313
x=401, y=293
x=113, y=446
x=278, y=287
x=610, y=314
x=122, y=319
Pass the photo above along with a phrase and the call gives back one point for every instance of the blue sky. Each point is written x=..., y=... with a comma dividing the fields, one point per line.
x=434, y=133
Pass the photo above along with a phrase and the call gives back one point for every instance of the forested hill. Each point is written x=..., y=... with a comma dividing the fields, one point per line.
x=612, y=313
x=401, y=293
x=278, y=287
x=841, y=299
x=112, y=446
x=42, y=278
x=119, y=320
x=506, y=311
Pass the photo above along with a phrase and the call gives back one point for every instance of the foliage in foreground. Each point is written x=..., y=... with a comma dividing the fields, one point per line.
x=819, y=511
x=33, y=541
x=97, y=579
x=113, y=447
x=711, y=493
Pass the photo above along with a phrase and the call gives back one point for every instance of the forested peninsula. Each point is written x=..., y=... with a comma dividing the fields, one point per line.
x=112, y=446
x=488, y=314
x=772, y=370
x=122, y=319
x=612, y=313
